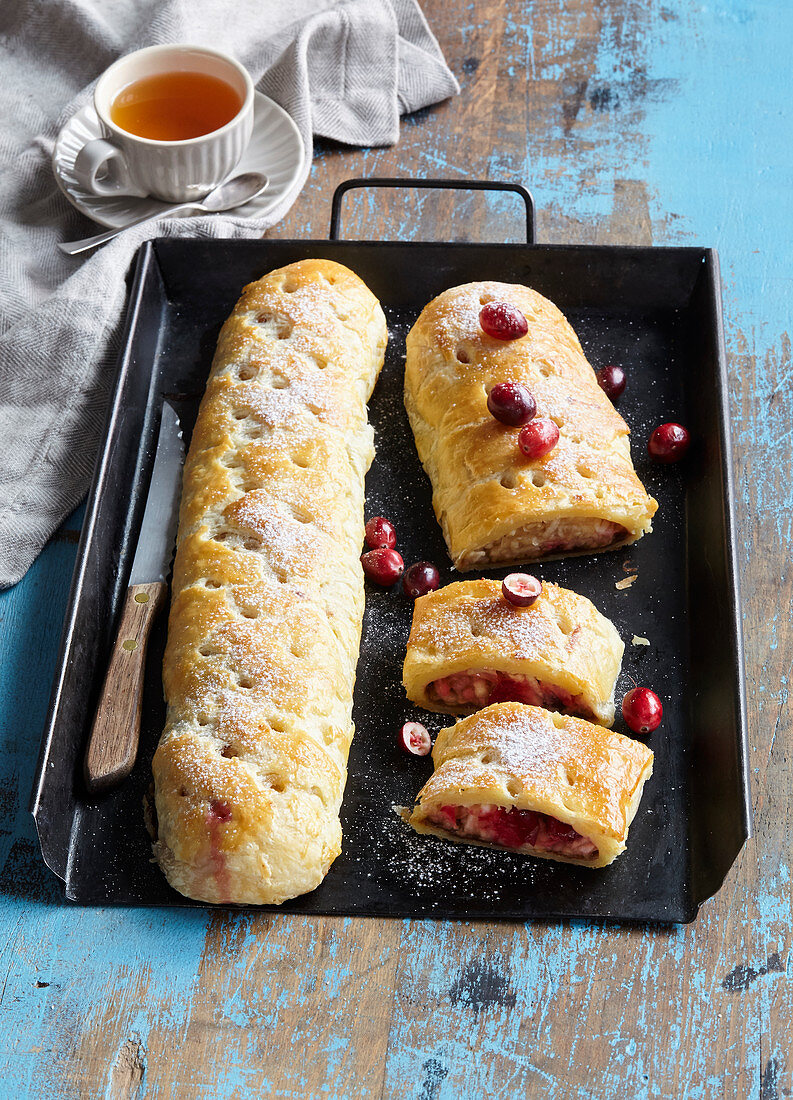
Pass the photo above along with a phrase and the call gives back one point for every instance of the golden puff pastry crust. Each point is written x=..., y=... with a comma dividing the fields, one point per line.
x=267, y=594
x=467, y=644
x=496, y=506
x=534, y=781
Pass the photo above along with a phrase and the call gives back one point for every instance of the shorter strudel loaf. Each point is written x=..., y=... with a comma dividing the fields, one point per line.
x=495, y=505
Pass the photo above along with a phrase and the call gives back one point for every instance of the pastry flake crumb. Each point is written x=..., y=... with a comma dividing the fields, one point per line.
x=626, y=582
x=636, y=640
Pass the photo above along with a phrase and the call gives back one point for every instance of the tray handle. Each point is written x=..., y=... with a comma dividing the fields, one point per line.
x=449, y=185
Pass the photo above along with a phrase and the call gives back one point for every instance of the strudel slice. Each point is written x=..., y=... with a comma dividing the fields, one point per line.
x=267, y=594
x=496, y=506
x=534, y=782
x=468, y=647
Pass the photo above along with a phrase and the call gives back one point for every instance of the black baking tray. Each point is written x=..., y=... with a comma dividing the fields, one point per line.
x=657, y=312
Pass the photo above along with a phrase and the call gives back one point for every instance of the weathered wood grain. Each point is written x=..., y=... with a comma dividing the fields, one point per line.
x=633, y=122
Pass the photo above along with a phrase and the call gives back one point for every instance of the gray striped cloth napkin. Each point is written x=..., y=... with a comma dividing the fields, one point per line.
x=343, y=70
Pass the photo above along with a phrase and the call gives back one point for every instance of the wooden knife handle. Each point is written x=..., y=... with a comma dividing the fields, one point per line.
x=113, y=744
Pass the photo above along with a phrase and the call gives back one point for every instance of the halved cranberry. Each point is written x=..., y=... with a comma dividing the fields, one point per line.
x=538, y=438
x=521, y=589
x=415, y=739
x=221, y=811
x=642, y=710
x=420, y=578
x=512, y=403
x=380, y=532
x=611, y=380
x=383, y=566
x=669, y=442
x=503, y=321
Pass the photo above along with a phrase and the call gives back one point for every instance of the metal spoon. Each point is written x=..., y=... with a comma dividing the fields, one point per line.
x=231, y=193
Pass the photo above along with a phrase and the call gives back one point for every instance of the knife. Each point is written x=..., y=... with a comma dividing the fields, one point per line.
x=113, y=743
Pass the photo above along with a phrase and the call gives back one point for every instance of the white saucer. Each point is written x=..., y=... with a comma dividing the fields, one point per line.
x=276, y=148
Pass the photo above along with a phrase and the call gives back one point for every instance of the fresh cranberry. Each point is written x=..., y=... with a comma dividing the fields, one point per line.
x=380, y=532
x=512, y=403
x=420, y=578
x=668, y=443
x=415, y=739
x=220, y=810
x=611, y=380
x=642, y=710
x=521, y=589
x=538, y=438
x=383, y=566
x=503, y=321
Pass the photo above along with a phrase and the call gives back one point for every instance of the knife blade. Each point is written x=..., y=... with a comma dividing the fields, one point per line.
x=113, y=742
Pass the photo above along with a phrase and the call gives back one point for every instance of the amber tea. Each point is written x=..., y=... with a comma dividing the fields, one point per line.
x=175, y=106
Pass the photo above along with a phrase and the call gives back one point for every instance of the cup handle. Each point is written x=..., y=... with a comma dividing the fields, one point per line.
x=116, y=180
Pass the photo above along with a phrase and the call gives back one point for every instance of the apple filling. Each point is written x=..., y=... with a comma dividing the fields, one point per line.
x=518, y=830
x=477, y=688
x=538, y=540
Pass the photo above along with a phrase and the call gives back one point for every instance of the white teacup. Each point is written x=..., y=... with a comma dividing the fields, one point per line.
x=123, y=163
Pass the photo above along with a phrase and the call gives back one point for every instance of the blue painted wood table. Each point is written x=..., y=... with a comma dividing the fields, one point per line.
x=634, y=121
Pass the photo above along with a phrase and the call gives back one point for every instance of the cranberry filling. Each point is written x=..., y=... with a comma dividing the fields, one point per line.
x=514, y=829
x=475, y=689
x=602, y=533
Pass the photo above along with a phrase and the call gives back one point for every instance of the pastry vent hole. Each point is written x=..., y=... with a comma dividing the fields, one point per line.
x=229, y=752
x=212, y=584
x=463, y=354
x=231, y=460
x=278, y=382
x=274, y=325
x=246, y=373
x=510, y=480
x=240, y=414
x=252, y=544
x=277, y=783
x=289, y=285
x=245, y=682
x=221, y=536
x=207, y=650
x=249, y=612
x=537, y=478
x=513, y=787
x=567, y=777
x=476, y=629
x=584, y=471
x=276, y=725
x=203, y=719
x=557, y=720
x=546, y=368
x=254, y=431
x=302, y=515
x=301, y=461
x=488, y=758
x=183, y=792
